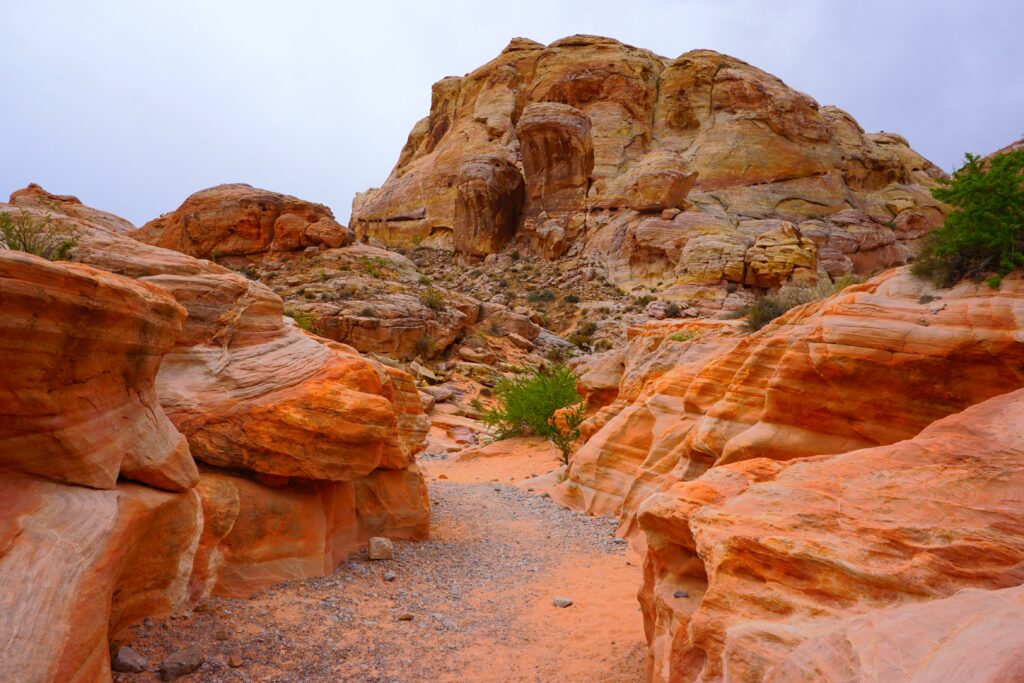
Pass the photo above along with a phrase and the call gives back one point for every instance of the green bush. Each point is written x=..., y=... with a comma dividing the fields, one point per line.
x=540, y=295
x=770, y=306
x=432, y=298
x=572, y=299
x=38, y=236
x=527, y=405
x=306, y=321
x=984, y=234
x=683, y=336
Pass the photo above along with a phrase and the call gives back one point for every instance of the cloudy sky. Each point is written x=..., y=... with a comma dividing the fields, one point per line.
x=134, y=105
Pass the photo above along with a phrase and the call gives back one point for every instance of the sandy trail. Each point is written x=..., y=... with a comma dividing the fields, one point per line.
x=479, y=593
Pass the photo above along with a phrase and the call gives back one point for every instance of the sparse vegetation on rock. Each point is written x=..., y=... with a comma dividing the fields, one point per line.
x=39, y=236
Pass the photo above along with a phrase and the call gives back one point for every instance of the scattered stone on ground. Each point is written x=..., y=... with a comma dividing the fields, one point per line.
x=381, y=548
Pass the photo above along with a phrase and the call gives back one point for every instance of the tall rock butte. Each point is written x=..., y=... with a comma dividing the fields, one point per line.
x=683, y=174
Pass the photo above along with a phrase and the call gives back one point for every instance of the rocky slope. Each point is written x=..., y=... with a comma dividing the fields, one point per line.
x=682, y=174
x=856, y=370
x=304, y=448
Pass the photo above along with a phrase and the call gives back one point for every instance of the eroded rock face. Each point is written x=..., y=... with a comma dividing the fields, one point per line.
x=80, y=565
x=79, y=352
x=846, y=566
x=242, y=221
x=490, y=194
x=316, y=445
x=610, y=137
x=827, y=377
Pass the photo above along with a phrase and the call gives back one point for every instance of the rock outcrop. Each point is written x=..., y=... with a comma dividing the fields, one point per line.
x=674, y=172
x=855, y=370
x=79, y=352
x=306, y=449
x=846, y=567
x=244, y=222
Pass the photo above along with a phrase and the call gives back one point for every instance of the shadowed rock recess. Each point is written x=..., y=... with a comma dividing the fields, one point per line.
x=200, y=417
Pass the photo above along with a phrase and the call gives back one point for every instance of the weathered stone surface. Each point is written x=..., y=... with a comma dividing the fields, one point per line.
x=240, y=220
x=380, y=548
x=611, y=137
x=80, y=565
x=490, y=194
x=79, y=352
x=817, y=568
x=36, y=197
x=827, y=377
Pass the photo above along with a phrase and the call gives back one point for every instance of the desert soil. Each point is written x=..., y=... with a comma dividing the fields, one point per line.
x=479, y=594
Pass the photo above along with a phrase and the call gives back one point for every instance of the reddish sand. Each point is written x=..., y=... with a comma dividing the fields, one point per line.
x=479, y=594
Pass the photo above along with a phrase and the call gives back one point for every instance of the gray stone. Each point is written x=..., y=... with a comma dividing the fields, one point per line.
x=390, y=576
x=127, y=660
x=561, y=603
x=680, y=594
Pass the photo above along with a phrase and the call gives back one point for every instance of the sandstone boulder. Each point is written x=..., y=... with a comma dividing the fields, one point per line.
x=79, y=352
x=242, y=221
x=821, y=568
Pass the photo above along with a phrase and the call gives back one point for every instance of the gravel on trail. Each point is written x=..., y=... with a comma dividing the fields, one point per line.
x=472, y=603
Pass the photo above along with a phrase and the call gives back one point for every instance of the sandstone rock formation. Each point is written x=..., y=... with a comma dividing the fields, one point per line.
x=856, y=370
x=242, y=221
x=820, y=568
x=79, y=352
x=674, y=172
x=307, y=449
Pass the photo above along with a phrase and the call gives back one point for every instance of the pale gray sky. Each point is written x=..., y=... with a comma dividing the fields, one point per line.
x=133, y=105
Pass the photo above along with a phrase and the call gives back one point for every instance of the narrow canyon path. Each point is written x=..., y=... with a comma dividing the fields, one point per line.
x=474, y=602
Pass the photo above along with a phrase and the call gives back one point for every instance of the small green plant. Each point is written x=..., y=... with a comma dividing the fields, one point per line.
x=984, y=234
x=306, y=321
x=531, y=405
x=477, y=405
x=644, y=300
x=540, y=295
x=587, y=329
x=39, y=236
x=602, y=345
x=572, y=299
x=432, y=298
x=514, y=255
x=770, y=306
x=366, y=312
x=322, y=275
x=683, y=335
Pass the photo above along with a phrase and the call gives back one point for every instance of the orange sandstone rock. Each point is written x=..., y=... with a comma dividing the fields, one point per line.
x=243, y=221
x=820, y=568
x=79, y=352
x=80, y=565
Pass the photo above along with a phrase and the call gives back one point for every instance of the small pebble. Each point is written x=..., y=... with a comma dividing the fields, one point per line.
x=390, y=576
x=234, y=661
x=381, y=548
x=680, y=594
x=619, y=540
x=405, y=616
x=562, y=602
x=127, y=660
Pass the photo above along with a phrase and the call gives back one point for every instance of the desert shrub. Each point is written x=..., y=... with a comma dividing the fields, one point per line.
x=572, y=299
x=683, y=335
x=580, y=340
x=587, y=328
x=672, y=310
x=514, y=255
x=366, y=313
x=475, y=341
x=602, y=345
x=540, y=295
x=770, y=306
x=644, y=300
x=39, y=236
x=322, y=275
x=528, y=405
x=424, y=346
x=425, y=280
x=432, y=298
x=984, y=234
x=306, y=321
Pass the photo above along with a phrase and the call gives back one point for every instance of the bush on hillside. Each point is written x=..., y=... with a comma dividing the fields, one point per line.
x=770, y=306
x=543, y=404
x=984, y=234
x=38, y=236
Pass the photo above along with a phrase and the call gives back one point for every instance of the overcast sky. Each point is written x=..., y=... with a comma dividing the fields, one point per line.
x=134, y=105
